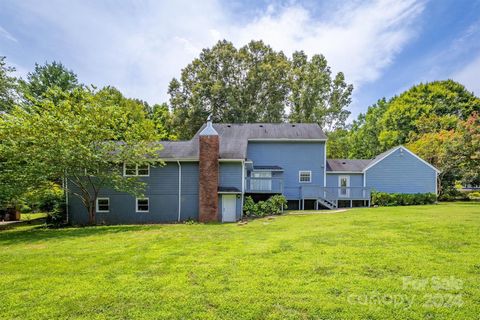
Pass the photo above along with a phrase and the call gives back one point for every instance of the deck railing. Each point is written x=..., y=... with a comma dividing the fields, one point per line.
x=263, y=185
x=335, y=193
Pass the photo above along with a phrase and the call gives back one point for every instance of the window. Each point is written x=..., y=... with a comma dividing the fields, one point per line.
x=261, y=181
x=132, y=170
x=142, y=204
x=305, y=176
x=143, y=171
x=103, y=204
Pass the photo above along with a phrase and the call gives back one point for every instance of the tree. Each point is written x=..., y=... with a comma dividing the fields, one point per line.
x=45, y=77
x=467, y=149
x=365, y=131
x=338, y=144
x=431, y=120
x=8, y=86
x=436, y=148
x=406, y=113
x=256, y=84
x=163, y=120
x=315, y=96
x=78, y=136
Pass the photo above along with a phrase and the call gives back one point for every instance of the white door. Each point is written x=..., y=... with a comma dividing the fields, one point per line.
x=229, y=208
x=344, y=184
x=264, y=184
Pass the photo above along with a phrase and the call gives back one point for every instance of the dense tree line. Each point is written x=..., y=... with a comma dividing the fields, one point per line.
x=257, y=84
x=437, y=120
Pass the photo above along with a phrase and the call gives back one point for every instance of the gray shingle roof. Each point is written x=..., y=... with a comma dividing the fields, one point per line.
x=269, y=168
x=234, y=138
x=347, y=165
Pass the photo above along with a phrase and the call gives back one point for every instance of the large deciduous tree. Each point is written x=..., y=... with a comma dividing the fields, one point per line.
x=79, y=136
x=257, y=84
x=8, y=86
x=316, y=97
x=45, y=77
x=436, y=120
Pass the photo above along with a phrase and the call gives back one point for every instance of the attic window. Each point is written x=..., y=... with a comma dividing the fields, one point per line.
x=229, y=126
x=261, y=126
x=293, y=125
x=344, y=162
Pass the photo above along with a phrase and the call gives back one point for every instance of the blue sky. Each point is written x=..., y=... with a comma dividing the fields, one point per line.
x=383, y=47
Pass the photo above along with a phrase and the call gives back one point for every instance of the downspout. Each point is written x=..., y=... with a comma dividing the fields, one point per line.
x=243, y=188
x=325, y=166
x=65, y=181
x=179, y=190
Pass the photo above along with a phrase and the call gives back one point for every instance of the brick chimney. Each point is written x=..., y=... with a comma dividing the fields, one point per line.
x=208, y=173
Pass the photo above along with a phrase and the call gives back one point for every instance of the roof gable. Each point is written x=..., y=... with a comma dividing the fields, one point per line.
x=387, y=153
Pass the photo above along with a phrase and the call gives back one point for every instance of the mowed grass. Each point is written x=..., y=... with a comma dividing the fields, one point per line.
x=348, y=265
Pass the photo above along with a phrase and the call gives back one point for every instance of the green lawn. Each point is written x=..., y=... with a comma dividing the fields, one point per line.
x=32, y=216
x=349, y=265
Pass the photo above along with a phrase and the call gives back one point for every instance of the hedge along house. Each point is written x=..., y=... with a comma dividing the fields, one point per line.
x=208, y=177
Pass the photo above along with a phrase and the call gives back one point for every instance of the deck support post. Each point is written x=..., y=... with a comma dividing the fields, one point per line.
x=351, y=203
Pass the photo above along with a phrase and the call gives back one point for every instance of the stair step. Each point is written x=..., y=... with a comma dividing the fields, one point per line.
x=327, y=203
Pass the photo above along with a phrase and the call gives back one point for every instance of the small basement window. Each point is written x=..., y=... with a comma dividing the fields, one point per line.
x=103, y=204
x=132, y=170
x=143, y=204
x=305, y=176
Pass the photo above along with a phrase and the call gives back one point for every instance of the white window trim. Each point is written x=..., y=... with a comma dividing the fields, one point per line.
x=304, y=171
x=144, y=175
x=136, y=171
x=136, y=205
x=97, y=207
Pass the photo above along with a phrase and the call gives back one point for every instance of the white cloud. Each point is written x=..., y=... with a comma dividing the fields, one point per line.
x=7, y=35
x=139, y=47
x=469, y=76
x=358, y=39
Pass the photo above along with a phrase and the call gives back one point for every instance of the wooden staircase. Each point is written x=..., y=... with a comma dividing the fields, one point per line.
x=330, y=204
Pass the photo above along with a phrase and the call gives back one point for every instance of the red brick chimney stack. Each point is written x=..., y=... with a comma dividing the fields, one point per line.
x=208, y=173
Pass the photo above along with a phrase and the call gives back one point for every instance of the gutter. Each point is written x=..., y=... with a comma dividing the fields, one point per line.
x=179, y=190
x=65, y=181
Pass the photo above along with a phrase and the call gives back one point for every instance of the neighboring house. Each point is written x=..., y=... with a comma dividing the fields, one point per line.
x=208, y=177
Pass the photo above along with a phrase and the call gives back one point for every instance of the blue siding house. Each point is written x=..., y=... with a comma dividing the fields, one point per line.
x=208, y=177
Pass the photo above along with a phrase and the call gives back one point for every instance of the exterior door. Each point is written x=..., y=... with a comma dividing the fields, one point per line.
x=344, y=186
x=263, y=184
x=229, y=208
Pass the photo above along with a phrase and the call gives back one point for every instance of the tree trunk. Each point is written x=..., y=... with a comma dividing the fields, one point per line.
x=91, y=213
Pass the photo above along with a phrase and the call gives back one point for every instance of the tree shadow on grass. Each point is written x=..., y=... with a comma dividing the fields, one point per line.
x=37, y=231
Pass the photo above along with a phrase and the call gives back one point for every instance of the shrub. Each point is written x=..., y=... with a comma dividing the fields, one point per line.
x=402, y=199
x=274, y=205
x=474, y=195
x=45, y=198
x=56, y=217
